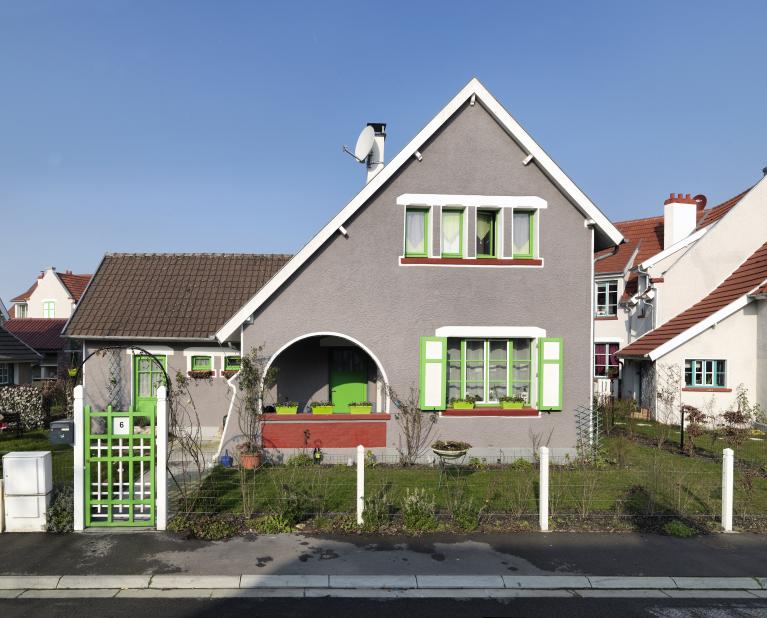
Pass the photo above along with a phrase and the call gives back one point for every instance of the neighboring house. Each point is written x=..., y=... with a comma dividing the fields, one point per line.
x=52, y=295
x=3, y=312
x=683, y=291
x=462, y=268
x=16, y=359
x=56, y=353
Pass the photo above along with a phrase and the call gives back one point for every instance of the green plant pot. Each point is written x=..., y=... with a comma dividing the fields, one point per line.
x=463, y=405
x=360, y=409
x=513, y=405
x=286, y=409
x=322, y=410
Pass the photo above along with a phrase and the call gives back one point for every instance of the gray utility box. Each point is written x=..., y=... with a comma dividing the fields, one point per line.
x=62, y=432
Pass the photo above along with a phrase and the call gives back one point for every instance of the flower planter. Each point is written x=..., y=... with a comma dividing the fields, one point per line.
x=200, y=375
x=250, y=461
x=286, y=409
x=72, y=373
x=322, y=410
x=512, y=405
x=228, y=373
x=463, y=405
x=450, y=454
x=360, y=409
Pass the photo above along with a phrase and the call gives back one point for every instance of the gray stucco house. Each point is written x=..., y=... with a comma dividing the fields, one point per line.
x=463, y=268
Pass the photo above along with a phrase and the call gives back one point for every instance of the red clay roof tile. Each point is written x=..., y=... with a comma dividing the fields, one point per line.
x=38, y=333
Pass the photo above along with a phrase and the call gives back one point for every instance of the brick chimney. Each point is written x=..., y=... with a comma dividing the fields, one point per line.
x=680, y=218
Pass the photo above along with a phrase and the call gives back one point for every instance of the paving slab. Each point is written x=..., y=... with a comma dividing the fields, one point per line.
x=762, y=582
x=152, y=593
x=353, y=593
x=101, y=593
x=627, y=583
x=762, y=594
x=622, y=594
x=710, y=594
x=718, y=583
x=284, y=581
x=195, y=581
x=256, y=593
x=460, y=581
x=10, y=594
x=546, y=581
x=373, y=581
x=103, y=581
x=28, y=582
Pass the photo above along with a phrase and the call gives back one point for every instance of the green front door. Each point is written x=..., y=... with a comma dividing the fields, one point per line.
x=348, y=377
x=147, y=377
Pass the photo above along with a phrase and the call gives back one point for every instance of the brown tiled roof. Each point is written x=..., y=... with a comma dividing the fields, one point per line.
x=25, y=295
x=13, y=349
x=172, y=296
x=75, y=284
x=749, y=275
x=38, y=333
x=712, y=215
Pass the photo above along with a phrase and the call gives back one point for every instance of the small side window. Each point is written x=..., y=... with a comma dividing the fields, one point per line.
x=417, y=232
x=486, y=233
x=202, y=363
x=452, y=233
x=232, y=363
x=523, y=234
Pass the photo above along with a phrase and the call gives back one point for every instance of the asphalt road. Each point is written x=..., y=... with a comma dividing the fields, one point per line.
x=365, y=608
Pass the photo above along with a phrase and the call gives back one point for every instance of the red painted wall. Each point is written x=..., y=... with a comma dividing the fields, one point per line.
x=325, y=435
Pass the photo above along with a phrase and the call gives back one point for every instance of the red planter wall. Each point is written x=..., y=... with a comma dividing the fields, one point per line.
x=326, y=434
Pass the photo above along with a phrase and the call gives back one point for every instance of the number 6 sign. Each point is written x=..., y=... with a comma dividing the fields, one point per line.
x=121, y=425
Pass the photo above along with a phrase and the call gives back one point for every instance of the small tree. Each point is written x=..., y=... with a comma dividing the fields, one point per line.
x=696, y=420
x=738, y=418
x=416, y=426
x=254, y=381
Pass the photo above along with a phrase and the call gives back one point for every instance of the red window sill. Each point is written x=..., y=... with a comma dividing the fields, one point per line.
x=492, y=412
x=313, y=418
x=692, y=389
x=606, y=317
x=472, y=262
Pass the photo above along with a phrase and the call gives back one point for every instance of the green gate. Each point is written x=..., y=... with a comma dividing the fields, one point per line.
x=119, y=467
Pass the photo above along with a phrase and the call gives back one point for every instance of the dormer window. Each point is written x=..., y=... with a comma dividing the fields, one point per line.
x=417, y=232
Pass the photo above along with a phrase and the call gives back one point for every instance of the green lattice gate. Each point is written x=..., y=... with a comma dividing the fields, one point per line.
x=119, y=467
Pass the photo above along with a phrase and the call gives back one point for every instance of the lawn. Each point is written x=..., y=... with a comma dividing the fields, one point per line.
x=61, y=454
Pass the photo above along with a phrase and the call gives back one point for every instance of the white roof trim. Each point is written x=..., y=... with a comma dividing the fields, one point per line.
x=160, y=350
x=497, y=201
x=474, y=87
x=203, y=351
x=505, y=332
x=701, y=326
x=651, y=261
x=617, y=340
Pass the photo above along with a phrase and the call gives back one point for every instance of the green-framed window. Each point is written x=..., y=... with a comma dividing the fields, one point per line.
x=202, y=363
x=417, y=232
x=705, y=373
x=486, y=233
x=523, y=234
x=452, y=233
x=49, y=308
x=232, y=363
x=489, y=369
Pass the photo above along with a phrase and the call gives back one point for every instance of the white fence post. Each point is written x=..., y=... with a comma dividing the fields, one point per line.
x=728, y=478
x=161, y=452
x=79, y=460
x=360, y=483
x=543, y=498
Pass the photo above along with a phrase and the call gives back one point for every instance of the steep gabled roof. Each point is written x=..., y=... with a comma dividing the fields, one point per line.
x=476, y=92
x=13, y=349
x=644, y=238
x=712, y=215
x=168, y=295
x=38, y=333
x=75, y=284
x=731, y=294
x=24, y=296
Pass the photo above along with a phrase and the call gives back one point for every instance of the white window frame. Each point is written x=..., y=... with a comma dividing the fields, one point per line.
x=597, y=285
x=5, y=373
x=19, y=307
x=217, y=366
x=605, y=342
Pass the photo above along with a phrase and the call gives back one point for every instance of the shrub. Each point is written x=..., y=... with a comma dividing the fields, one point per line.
x=208, y=528
x=61, y=512
x=300, y=460
x=419, y=510
x=523, y=465
x=679, y=529
x=25, y=400
x=270, y=524
x=292, y=506
x=465, y=512
x=376, y=513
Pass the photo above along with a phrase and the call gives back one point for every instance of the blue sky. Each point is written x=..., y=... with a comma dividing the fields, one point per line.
x=217, y=126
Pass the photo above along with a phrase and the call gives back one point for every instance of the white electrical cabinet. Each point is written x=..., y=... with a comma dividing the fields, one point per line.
x=28, y=482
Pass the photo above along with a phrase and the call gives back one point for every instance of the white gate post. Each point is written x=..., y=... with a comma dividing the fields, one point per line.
x=79, y=460
x=543, y=498
x=728, y=477
x=161, y=455
x=360, y=483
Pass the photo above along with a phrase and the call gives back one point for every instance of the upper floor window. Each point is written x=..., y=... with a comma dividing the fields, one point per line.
x=605, y=361
x=487, y=233
x=522, y=234
x=607, y=298
x=452, y=233
x=417, y=232
x=49, y=309
x=232, y=363
x=22, y=310
x=202, y=363
x=705, y=373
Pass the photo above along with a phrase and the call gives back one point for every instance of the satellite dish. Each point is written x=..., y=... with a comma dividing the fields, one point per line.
x=364, y=143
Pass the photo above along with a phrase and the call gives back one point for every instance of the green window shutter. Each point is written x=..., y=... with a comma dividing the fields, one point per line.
x=433, y=373
x=551, y=373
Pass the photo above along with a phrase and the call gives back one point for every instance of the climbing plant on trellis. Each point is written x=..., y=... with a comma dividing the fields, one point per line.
x=588, y=431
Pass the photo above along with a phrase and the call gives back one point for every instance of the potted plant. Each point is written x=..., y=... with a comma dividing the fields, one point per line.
x=287, y=407
x=321, y=407
x=72, y=372
x=450, y=449
x=513, y=402
x=250, y=455
x=464, y=403
x=361, y=407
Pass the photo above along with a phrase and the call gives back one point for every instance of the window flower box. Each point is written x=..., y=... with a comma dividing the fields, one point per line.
x=321, y=407
x=288, y=407
x=228, y=373
x=467, y=403
x=361, y=407
x=200, y=375
x=512, y=403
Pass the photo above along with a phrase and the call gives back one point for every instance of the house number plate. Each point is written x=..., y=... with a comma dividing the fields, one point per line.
x=121, y=425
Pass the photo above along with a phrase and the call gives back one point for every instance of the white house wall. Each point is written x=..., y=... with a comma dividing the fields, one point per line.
x=761, y=354
x=50, y=288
